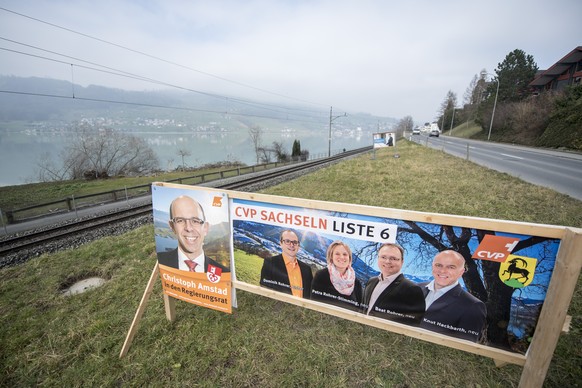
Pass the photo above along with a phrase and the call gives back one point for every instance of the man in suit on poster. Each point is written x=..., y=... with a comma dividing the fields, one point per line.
x=189, y=224
x=284, y=272
x=450, y=309
x=390, y=295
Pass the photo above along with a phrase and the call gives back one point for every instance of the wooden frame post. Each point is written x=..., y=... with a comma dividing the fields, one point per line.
x=170, y=308
x=553, y=314
x=140, y=311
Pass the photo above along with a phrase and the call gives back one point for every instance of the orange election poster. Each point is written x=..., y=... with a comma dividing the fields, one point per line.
x=213, y=292
x=193, y=245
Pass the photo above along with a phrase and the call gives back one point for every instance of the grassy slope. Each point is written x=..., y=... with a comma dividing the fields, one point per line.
x=466, y=130
x=48, y=339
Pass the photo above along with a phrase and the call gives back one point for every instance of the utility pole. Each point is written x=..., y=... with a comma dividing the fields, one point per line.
x=493, y=114
x=452, y=119
x=331, y=119
x=443, y=120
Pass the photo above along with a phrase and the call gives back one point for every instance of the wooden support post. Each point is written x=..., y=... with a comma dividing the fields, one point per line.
x=553, y=314
x=140, y=311
x=170, y=308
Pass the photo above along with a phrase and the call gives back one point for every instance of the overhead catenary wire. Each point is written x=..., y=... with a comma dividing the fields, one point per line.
x=158, y=58
x=121, y=73
x=101, y=100
x=132, y=75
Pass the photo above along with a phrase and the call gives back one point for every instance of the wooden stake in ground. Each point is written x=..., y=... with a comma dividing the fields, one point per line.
x=140, y=311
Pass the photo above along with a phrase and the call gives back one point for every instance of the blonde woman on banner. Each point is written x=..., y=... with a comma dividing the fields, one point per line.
x=337, y=284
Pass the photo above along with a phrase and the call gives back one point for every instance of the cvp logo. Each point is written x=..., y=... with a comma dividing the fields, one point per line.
x=486, y=255
x=495, y=248
x=217, y=201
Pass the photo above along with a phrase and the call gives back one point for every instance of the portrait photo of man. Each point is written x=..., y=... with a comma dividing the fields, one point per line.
x=190, y=227
x=449, y=308
x=284, y=272
x=390, y=295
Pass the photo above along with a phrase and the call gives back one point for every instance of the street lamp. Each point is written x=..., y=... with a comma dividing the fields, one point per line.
x=331, y=119
x=494, y=105
x=452, y=120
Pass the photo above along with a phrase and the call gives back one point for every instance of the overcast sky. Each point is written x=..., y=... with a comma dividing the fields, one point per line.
x=386, y=58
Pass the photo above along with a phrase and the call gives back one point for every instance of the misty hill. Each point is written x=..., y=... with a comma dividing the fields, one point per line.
x=41, y=101
x=49, y=100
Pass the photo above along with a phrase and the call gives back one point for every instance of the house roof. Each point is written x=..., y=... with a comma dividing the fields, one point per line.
x=558, y=68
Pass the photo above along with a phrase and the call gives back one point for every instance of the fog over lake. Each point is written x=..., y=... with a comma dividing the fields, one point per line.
x=21, y=151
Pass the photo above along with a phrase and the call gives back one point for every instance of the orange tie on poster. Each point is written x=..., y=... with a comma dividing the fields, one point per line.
x=192, y=265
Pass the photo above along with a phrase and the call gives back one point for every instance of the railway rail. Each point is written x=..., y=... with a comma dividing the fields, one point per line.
x=19, y=248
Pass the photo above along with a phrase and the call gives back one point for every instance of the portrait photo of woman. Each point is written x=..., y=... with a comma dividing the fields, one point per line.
x=337, y=284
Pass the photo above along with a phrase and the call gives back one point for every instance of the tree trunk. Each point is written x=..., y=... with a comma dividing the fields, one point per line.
x=498, y=305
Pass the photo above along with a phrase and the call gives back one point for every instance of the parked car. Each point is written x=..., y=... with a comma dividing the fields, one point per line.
x=434, y=132
x=416, y=131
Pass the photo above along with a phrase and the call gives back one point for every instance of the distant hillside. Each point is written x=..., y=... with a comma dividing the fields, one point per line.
x=552, y=119
x=42, y=99
x=41, y=104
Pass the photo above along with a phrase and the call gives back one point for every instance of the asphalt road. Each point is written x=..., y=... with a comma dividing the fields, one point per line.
x=557, y=170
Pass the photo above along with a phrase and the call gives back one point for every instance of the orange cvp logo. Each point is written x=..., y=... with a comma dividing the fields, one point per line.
x=495, y=248
x=217, y=202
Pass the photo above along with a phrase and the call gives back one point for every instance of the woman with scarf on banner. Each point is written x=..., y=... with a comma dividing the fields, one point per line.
x=337, y=284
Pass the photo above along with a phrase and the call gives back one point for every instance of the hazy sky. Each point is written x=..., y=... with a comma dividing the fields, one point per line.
x=387, y=58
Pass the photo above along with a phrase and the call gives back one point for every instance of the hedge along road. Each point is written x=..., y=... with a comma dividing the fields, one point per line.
x=557, y=170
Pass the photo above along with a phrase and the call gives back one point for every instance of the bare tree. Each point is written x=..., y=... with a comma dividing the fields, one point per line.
x=280, y=153
x=264, y=155
x=447, y=108
x=474, y=95
x=405, y=124
x=48, y=171
x=170, y=163
x=98, y=152
x=256, y=135
x=468, y=97
x=184, y=152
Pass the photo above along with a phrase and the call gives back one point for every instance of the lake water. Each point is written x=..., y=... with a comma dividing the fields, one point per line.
x=21, y=152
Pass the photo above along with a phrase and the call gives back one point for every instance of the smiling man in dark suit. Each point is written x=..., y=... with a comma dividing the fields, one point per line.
x=390, y=295
x=450, y=309
x=189, y=224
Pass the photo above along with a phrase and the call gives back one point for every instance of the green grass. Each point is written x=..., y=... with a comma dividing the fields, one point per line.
x=19, y=196
x=465, y=130
x=248, y=267
x=51, y=340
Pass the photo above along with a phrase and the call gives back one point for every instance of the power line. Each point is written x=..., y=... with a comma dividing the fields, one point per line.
x=126, y=74
x=156, y=57
x=72, y=97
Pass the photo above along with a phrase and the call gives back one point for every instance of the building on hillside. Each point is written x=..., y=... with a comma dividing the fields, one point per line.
x=567, y=71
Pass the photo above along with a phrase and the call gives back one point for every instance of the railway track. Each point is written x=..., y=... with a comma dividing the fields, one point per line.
x=242, y=184
x=20, y=248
